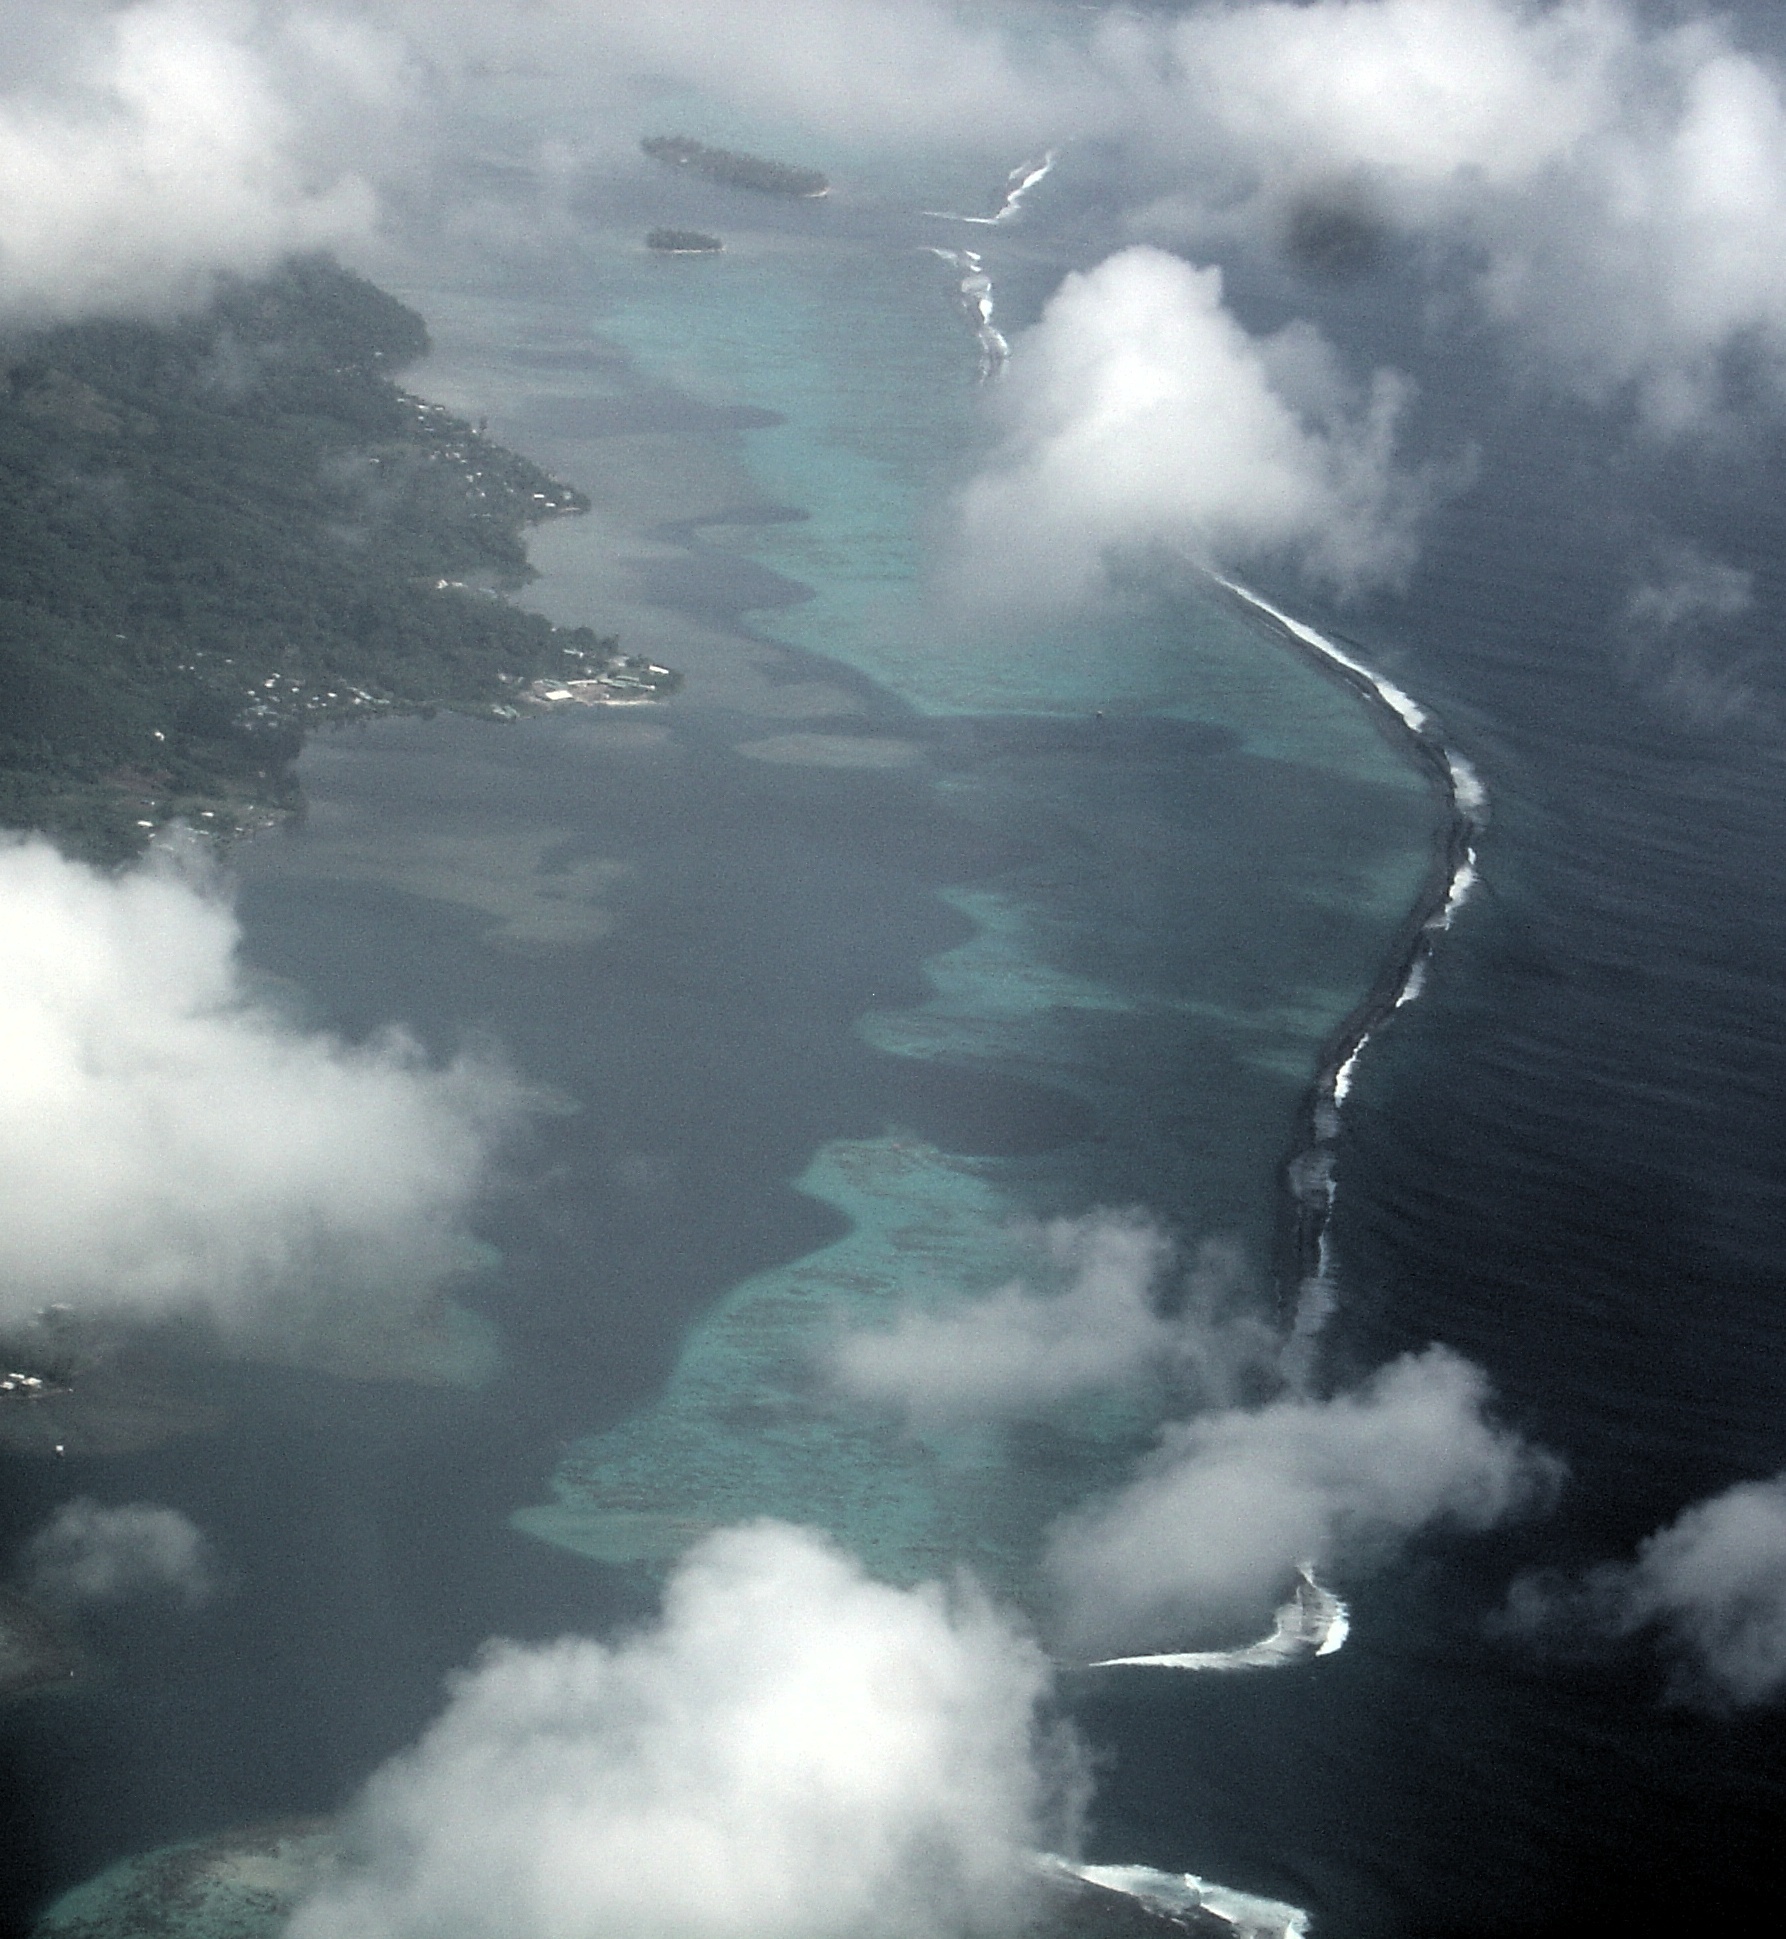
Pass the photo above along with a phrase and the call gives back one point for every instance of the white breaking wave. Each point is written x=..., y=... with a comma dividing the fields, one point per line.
x=976, y=285
x=1314, y=1622
x=1018, y=184
x=1462, y=882
x=1410, y=990
x=1179, y=1892
x=1466, y=787
x=1312, y=1171
x=1413, y=716
x=1469, y=798
x=1342, y=1078
x=1022, y=179
x=977, y=301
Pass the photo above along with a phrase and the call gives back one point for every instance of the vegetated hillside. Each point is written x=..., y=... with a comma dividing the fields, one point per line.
x=727, y=166
x=218, y=530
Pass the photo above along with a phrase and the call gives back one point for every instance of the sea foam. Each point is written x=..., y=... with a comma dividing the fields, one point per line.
x=1311, y=1172
x=1018, y=184
x=976, y=285
x=1176, y=1893
x=977, y=301
x=1313, y=1622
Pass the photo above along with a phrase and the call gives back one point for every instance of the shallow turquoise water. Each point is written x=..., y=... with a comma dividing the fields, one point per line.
x=868, y=835
x=1200, y=917
x=1515, y=1164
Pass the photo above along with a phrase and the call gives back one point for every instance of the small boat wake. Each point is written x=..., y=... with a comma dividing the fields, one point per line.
x=1314, y=1622
x=1179, y=1893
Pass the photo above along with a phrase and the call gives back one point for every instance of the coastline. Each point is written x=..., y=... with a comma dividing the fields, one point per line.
x=1306, y=1191
x=330, y=546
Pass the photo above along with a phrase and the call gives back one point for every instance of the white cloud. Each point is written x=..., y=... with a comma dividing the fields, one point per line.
x=794, y=1751
x=1686, y=596
x=166, y=1142
x=145, y=148
x=871, y=71
x=1139, y=414
x=892, y=71
x=1608, y=187
x=1620, y=186
x=87, y=1553
x=1429, y=91
x=1713, y=1582
x=1215, y=1524
x=1100, y=1326
x=1688, y=590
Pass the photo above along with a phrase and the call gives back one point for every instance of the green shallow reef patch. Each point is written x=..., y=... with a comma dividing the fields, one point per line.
x=750, y=1425
x=239, y=1885
x=246, y=1884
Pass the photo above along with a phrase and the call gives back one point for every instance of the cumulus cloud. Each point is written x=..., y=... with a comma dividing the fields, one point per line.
x=89, y=1554
x=794, y=1751
x=1138, y=414
x=1102, y=1324
x=145, y=148
x=1429, y=91
x=1617, y=185
x=1712, y=1583
x=168, y=1142
x=1258, y=1478
x=1217, y=1521
x=1606, y=184
x=884, y=70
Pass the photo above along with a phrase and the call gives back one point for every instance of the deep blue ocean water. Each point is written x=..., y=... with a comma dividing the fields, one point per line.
x=872, y=913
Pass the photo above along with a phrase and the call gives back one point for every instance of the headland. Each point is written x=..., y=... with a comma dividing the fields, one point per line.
x=228, y=528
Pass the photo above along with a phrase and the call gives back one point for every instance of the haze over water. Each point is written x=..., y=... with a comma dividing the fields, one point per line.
x=883, y=940
x=879, y=944
x=1207, y=844
x=1172, y=909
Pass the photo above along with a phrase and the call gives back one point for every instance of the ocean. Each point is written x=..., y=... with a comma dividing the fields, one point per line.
x=892, y=936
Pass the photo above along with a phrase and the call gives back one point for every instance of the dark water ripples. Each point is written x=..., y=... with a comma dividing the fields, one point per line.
x=1566, y=1163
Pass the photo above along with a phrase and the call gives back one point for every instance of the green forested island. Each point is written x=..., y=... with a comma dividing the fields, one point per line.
x=683, y=242
x=733, y=169
x=217, y=531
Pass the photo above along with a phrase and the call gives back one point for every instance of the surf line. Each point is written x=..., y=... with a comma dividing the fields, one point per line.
x=1314, y=1622
x=1018, y=184
x=1178, y=1894
x=976, y=300
x=1310, y=1185
x=976, y=285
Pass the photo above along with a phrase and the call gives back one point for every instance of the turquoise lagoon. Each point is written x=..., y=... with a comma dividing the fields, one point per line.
x=886, y=941
x=1226, y=843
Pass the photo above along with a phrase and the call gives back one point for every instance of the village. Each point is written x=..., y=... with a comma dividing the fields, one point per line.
x=628, y=682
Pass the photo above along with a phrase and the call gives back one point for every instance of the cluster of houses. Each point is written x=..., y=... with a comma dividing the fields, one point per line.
x=489, y=471
x=629, y=682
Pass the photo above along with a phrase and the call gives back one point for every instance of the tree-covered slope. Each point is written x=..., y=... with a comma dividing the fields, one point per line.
x=215, y=531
